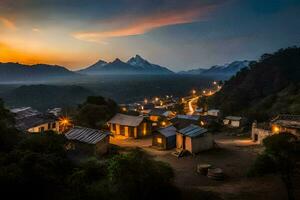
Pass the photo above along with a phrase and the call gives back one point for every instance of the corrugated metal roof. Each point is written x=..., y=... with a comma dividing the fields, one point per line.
x=28, y=122
x=193, y=131
x=168, y=131
x=126, y=120
x=235, y=118
x=86, y=135
x=189, y=117
x=289, y=121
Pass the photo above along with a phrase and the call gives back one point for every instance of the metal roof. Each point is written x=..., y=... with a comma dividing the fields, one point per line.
x=28, y=122
x=193, y=131
x=126, y=120
x=189, y=117
x=86, y=135
x=234, y=118
x=289, y=121
x=168, y=131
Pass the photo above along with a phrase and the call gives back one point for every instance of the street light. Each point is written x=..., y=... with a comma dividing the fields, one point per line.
x=194, y=91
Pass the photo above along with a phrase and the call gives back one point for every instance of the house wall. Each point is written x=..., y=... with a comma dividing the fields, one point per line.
x=235, y=123
x=155, y=142
x=37, y=129
x=142, y=130
x=202, y=143
x=171, y=142
x=179, y=141
x=259, y=134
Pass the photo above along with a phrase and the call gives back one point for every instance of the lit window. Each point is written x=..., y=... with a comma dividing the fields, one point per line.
x=159, y=140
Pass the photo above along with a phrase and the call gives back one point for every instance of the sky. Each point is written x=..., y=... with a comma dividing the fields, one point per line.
x=179, y=34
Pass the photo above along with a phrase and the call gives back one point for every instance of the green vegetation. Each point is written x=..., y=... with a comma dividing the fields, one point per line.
x=269, y=87
x=95, y=112
x=38, y=167
x=281, y=155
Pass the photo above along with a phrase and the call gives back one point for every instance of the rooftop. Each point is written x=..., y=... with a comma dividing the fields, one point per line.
x=168, y=131
x=235, y=118
x=86, y=135
x=126, y=120
x=193, y=131
x=290, y=121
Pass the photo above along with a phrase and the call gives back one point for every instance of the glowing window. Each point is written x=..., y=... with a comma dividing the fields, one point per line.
x=159, y=140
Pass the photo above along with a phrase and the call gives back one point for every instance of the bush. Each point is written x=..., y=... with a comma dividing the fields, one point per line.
x=262, y=165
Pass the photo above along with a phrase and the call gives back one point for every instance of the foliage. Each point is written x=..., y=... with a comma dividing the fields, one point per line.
x=203, y=103
x=280, y=155
x=148, y=179
x=95, y=111
x=269, y=87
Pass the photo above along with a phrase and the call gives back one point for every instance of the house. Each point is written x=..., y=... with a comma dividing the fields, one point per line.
x=129, y=126
x=281, y=123
x=81, y=135
x=214, y=112
x=160, y=117
x=286, y=123
x=165, y=138
x=33, y=121
x=234, y=121
x=182, y=121
x=194, y=139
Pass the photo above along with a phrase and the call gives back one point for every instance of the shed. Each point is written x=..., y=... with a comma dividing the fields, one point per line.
x=182, y=121
x=165, y=138
x=194, y=139
x=90, y=136
x=129, y=126
x=214, y=112
x=286, y=123
x=233, y=121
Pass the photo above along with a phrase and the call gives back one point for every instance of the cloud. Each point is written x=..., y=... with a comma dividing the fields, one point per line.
x=143, y=24
x=8, y=23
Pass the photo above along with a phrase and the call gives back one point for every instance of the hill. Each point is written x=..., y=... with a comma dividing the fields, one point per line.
x=14, y=72
x=268, y=87
x=43, y=97
x=221, y=72
x=135, y=65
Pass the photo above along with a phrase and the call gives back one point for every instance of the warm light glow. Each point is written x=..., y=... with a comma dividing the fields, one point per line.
x=204, y=91
x=156, y=99
x=194, y=91
x=159, y=140
x=215, y=83
x=145, y=101
x=64, y=121
x=124, y=109
x=163, y=123
x=202, y=123
x=276, y=129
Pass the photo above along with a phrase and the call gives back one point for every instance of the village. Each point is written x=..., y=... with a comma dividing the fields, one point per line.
x=204, y=147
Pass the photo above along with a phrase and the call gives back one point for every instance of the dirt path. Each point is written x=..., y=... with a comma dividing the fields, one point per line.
x=233, y=155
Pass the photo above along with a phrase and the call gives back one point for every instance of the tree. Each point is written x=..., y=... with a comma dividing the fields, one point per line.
x=95, y=111
x=280, y=155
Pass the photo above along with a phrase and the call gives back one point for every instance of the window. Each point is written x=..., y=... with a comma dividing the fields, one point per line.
x=49, y=126
x=159, y=140
x=54, y=125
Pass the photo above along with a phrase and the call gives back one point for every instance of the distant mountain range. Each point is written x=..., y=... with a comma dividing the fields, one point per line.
x=18, y=72
x=135, y=65
x=220, y=71
x=15, y=72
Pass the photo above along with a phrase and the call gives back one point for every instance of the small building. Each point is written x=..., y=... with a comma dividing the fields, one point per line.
x=182, y=121
x=79, y=135
x=129, y=126
x=281, y=123
x=234, y=121
x=157, y=113
x=165, y=138
x=286, y=123
x=32, y=121
x=214, y=112
x=194, y=139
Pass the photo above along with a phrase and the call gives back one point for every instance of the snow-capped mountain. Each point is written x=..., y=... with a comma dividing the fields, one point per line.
x=152, y=68
x=135, y=65
x=220, y=71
